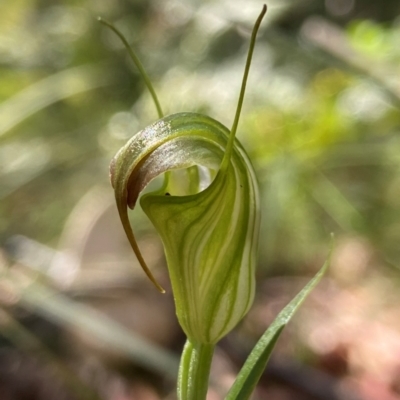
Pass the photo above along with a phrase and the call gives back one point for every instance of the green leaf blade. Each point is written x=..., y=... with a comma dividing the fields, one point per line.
x=255, y=364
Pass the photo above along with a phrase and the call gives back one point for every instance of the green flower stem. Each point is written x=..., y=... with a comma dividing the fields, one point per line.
x=194, y=371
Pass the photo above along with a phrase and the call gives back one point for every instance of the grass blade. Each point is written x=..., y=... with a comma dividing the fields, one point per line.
x=255, y=364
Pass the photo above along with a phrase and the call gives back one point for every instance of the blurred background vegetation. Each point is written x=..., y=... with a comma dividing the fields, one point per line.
x=321, y=122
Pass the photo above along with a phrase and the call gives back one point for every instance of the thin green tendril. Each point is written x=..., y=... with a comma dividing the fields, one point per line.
x=138, y=64
x=229, y=147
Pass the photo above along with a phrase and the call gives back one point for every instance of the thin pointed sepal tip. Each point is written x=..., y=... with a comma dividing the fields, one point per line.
x=263, y=11
x=158, y=286
x=105, y=22
x=150, y=276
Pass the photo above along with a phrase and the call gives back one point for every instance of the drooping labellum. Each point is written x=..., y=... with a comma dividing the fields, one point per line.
x=210, y=236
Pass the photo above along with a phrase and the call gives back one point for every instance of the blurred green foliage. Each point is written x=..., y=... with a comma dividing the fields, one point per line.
x=321, y=123
x=324, y=137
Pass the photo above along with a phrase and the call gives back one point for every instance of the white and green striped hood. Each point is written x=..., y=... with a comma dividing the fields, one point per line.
x=210, y=236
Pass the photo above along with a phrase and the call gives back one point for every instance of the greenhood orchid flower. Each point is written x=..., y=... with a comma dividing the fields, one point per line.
x=210, y=235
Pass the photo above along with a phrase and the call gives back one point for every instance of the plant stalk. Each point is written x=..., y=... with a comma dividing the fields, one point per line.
x=194, y=371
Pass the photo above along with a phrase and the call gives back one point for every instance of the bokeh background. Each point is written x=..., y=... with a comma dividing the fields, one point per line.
x=321, y=122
